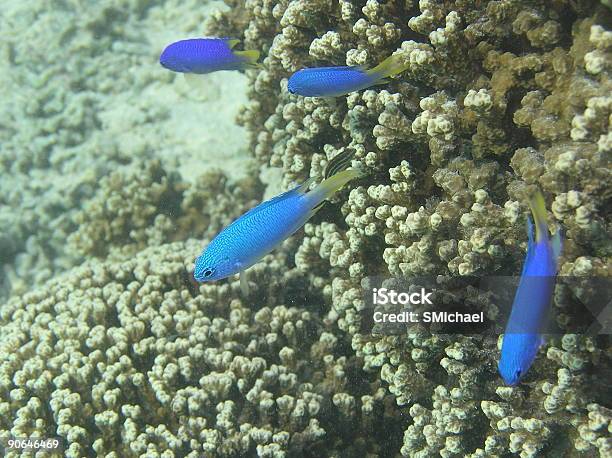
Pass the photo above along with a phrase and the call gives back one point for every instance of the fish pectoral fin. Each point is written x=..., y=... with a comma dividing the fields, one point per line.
x=193, y=80
x=244, y=283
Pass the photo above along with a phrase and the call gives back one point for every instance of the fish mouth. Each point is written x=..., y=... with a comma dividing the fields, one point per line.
x=163, y=63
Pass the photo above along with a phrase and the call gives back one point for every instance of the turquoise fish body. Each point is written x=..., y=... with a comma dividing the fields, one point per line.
x=261, y=229
x=531, y=306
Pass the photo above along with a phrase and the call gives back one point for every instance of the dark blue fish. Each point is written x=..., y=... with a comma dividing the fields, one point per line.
x=336, y=81
x=530, y=309
x=206, y=55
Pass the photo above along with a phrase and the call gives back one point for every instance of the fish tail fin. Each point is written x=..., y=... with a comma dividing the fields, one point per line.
x=329, y=186
x=250, y=57
x=391, y=66
x=538, y=210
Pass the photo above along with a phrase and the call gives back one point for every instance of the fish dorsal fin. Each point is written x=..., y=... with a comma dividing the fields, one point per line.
x=339, y=162
x=303, y=188
x=193, y=80
x=300, y=189
x=318, y=70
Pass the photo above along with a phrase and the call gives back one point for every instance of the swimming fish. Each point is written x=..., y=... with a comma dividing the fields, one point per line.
x=530, y=309
x=336, y=81
x=206, y=55
x=257, y=232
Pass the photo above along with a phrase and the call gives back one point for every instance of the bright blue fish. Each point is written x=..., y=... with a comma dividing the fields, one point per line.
x=336, y=81
x=531, y=306
x=206, y=55
x=245, y=241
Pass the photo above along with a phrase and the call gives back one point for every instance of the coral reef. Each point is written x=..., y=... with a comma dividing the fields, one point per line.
x=125, y=356
x=148, y=206
x=499, y=97
x=128, y=358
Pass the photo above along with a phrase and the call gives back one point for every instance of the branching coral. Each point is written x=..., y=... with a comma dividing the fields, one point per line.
x=129, y=358
x=145, y=205
x=499, y=97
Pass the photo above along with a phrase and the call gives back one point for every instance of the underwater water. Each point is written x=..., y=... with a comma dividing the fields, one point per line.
x=136, y=319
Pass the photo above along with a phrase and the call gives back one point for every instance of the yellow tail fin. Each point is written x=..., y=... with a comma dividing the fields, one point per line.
x=538, y=210
x=251, y=56
x=329, y=186
x=392, y=65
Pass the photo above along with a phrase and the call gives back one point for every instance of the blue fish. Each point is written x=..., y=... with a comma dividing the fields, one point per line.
x=336, y=81
x=206, y=55
x=530, y=309
x=257, y=232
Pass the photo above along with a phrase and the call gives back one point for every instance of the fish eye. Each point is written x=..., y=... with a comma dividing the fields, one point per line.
x=208, y=272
